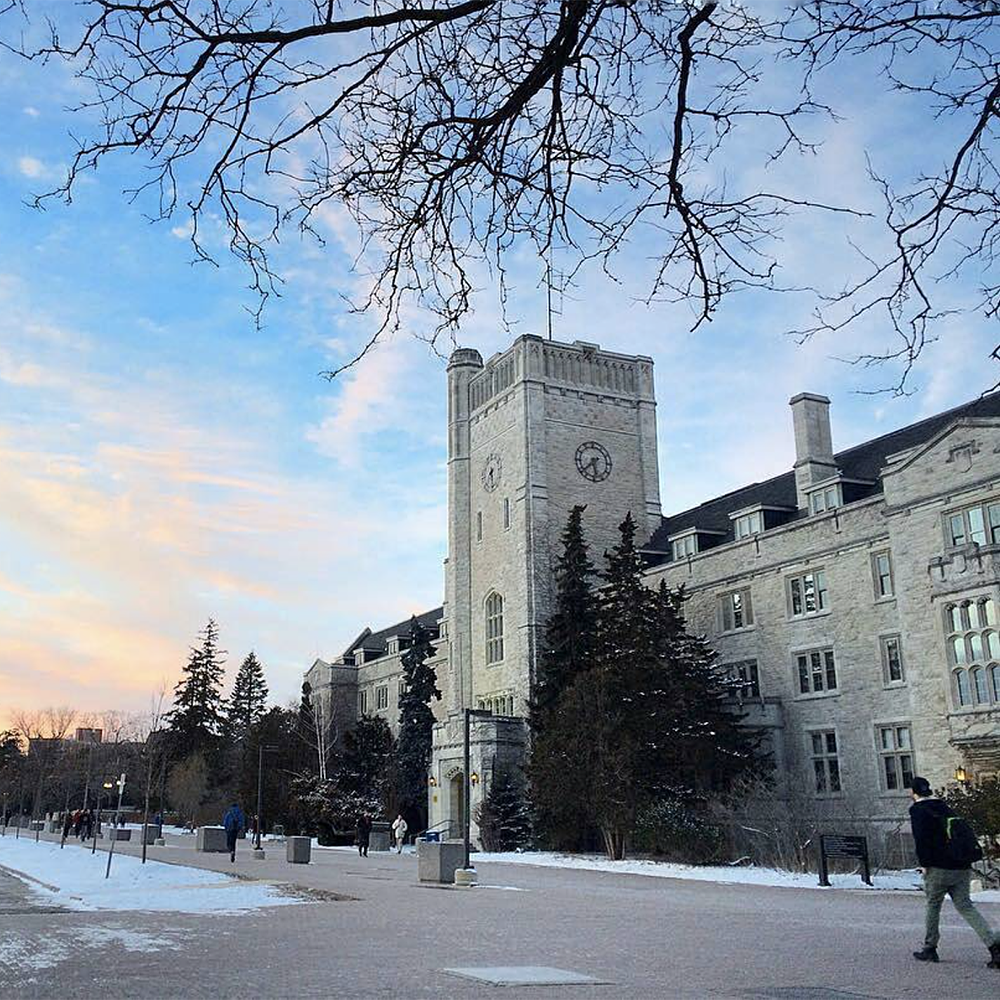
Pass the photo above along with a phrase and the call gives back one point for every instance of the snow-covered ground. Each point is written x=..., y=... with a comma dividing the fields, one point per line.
x=701, y=873
x=74, y=878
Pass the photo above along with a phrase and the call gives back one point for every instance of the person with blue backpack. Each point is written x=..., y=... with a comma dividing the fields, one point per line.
x=234, y=823
x=946, y=848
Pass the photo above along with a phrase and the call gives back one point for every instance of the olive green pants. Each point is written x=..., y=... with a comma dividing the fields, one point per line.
x=941, y=882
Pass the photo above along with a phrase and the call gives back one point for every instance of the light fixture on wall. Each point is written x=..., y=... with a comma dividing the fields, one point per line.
x=432, y=781
x=961, y=775
x=474, y=778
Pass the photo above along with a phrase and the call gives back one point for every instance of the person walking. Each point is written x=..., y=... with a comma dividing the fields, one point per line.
x=364, y=834
x=234, y=823
x=946, y=849
x=399, y=829
x=87, y=824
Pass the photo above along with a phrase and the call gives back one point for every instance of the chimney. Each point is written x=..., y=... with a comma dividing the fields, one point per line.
x=813, y=443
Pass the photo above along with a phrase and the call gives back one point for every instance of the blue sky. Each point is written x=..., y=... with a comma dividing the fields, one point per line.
x=163, y=460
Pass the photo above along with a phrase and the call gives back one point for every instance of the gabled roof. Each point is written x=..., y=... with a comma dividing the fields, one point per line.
x=863, y=461
x=377, y=642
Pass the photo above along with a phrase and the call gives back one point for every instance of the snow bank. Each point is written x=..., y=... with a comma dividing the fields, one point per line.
x=698, y=873
x=74, y=878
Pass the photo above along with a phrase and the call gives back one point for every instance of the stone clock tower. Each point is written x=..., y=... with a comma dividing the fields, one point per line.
x=532, y=432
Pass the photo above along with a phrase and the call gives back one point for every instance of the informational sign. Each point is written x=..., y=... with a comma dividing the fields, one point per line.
x=843, y=848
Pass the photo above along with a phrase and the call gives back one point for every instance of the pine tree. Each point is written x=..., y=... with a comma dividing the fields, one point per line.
x=416, y=725
x=504, y=821
x=367, y=764
x=248, y=701
x=196, y=718
x=571, y=632
x=558, y=801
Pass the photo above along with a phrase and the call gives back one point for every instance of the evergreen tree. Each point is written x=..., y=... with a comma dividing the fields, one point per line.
x=571, y=632
x=248, y=701
x=504, y=821
x=416, y=724
x=197, y=716
x=569, y=651
x=648, y=719
x=366, y=767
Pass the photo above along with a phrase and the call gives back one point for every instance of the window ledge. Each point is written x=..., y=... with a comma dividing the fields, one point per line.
x=738, y=631
x=817, y=695
x=829, y=795
x=893, y=685
x=890, y=599
x=811, y=616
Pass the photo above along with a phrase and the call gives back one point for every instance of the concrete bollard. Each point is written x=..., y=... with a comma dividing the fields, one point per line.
x=438, y=861
x=211, y=840
x=298, y=850
x=465, y=877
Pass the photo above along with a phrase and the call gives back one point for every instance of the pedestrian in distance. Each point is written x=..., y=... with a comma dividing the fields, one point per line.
x=67, y=824
x=946, y=849
x=77, y=822
x=234, y=824
x=364, y=834
x=87, y=825
x=399, y=829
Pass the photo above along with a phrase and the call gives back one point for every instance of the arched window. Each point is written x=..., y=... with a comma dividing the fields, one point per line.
x=958, y=649
x=995, y=674
x=954, y=619
x=988, y=611
x=962, y=687
x=975, y=647
x=979, y=686
x=970, y=619
x=993, y=644
x=494, y=628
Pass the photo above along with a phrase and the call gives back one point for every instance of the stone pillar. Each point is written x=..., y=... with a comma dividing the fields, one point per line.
x=813, y=443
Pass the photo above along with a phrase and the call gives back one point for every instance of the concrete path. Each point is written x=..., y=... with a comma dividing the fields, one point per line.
x=644, y=937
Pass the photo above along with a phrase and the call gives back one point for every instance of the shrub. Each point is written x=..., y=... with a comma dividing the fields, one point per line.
x=678, y=830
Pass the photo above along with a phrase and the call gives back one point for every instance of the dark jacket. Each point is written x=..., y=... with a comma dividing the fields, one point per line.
x=927, y=818
x=364, y=830
x=233, y=820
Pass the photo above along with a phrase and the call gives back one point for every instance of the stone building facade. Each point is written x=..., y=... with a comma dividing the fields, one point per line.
x=856, y=595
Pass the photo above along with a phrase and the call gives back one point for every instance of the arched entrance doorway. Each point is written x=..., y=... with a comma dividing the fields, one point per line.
x=456, y=800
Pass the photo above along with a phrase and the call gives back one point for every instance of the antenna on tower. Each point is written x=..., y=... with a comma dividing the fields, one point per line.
x=557, y=281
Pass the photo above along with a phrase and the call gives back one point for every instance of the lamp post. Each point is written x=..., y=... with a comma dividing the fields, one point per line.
x=961, y=775
x=107, y=785
x=114, y=828
x=261, y=750
x=479, y=713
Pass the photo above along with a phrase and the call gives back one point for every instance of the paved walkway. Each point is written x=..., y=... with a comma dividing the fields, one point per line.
x=645, y=937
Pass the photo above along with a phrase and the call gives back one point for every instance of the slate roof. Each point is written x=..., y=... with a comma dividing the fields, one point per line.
x=863, y=461
x=377, y=642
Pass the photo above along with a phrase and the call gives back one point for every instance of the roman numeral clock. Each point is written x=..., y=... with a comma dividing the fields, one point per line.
x=593, y=461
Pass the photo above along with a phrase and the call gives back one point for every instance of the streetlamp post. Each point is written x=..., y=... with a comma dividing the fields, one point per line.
x=97, y=822
x=261, y=750
x=479, y=713
x=114, y=825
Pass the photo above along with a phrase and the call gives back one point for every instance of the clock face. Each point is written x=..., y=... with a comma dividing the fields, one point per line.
x=492, y=469
x=593, y=461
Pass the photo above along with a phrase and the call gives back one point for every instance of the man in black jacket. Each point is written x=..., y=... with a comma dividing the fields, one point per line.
x=942, y=876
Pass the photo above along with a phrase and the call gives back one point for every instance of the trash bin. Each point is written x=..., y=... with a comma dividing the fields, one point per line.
x=431, y=836
x=298, y=850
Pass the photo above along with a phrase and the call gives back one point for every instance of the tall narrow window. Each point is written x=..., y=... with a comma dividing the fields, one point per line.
x=817, y=671
x=807, y=594
x=892, y=661
x=736, y=610
x=506, y=513
x=479, y=526
x=363, y=703
x=882, y=573
x=825, y=762
x=896, y=757
x=494, y=628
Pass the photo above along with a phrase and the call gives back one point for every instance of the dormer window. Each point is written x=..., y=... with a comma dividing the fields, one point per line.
x=746, y=525
x=825, y=499
x=686, y=546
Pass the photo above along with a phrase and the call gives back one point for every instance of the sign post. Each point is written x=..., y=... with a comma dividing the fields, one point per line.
x=849, y=848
